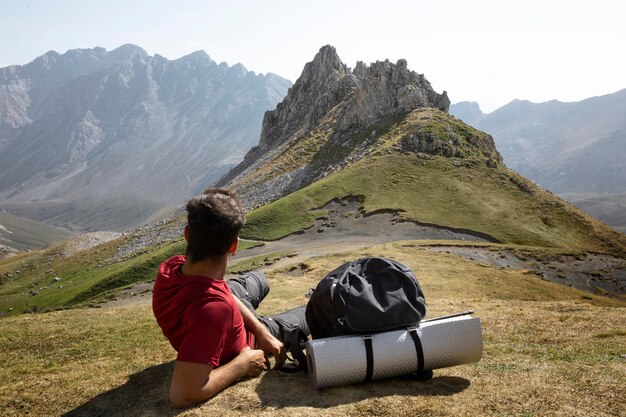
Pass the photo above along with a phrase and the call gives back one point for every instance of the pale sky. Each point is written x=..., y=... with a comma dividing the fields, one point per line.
x=486, y=51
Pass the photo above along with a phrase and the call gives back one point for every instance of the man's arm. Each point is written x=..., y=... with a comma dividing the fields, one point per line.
x=264, y=339
x=194, y=382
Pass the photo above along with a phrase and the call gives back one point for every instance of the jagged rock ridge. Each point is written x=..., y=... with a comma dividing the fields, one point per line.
x=335, y=103
x=94, y=140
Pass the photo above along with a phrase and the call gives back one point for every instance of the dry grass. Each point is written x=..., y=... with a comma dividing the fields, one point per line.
x=547, y=352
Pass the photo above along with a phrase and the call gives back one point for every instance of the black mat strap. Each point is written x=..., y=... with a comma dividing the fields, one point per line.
x=369, y=353
x=418, y=349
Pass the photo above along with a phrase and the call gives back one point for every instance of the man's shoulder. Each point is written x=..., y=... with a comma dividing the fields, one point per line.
x=172, y=264
x=214, y=309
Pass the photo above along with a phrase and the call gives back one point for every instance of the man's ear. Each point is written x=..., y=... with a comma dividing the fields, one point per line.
x=186, y=232
x=233, y=247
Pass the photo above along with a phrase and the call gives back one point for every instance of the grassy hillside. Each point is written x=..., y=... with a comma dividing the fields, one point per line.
x=458, y=183
x=610, y=208
x=492, y=201
x=548, y=350
x=49, y=280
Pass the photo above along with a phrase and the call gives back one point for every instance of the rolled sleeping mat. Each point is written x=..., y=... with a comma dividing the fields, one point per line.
x=436, y=343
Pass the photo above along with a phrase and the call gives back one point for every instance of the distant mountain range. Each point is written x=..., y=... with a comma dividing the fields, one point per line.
x=577, y=150
x=95, y=139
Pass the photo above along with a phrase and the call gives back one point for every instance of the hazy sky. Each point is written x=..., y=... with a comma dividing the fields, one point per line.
x=485, y=51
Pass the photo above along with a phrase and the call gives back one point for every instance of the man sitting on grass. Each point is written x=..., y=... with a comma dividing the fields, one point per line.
x=219, y=338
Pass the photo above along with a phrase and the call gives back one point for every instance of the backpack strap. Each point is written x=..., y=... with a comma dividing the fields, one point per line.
x=367, y=339
x=418, y=349
x=296, y=344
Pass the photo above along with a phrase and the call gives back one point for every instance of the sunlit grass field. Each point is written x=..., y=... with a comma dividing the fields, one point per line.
x=549, y=350
x=494, y=202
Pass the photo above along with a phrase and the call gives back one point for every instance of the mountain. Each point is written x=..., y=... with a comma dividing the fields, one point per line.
x=342, y=134
x=576, y=150
x=551, y=142
x=95, y=139
x=320, y=124
x=468, y=111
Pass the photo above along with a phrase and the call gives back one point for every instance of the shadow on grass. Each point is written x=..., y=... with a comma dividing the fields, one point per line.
x=278, y=389
x=144, y=394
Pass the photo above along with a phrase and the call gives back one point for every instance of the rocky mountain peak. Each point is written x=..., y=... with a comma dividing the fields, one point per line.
x=322, y=84
x=196, y=56
x=326, y=64
x=366, y=94
x=388, y=88
x=338, y=103
x=128, y=51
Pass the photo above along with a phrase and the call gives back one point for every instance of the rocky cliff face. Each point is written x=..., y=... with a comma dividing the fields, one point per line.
x=335, y=103
x=98, y=139
x=368, y=93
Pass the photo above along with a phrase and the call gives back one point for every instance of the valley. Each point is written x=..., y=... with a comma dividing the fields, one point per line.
x=20, y=234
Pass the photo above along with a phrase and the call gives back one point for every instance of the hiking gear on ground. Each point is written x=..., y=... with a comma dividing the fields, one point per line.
x=363, y=296
x=434, y=344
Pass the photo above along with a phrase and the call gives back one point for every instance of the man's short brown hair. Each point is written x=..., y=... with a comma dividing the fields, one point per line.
x=214, y=220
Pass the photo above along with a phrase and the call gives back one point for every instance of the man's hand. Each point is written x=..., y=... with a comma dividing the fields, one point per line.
x=271, y=346
x=264, y=339
x=253, y=360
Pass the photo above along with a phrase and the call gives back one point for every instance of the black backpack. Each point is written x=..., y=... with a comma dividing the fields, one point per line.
x=365, y=296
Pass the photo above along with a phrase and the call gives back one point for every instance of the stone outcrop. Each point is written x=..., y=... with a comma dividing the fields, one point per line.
x=345, y=101
x=451, y=143
x=369, y=92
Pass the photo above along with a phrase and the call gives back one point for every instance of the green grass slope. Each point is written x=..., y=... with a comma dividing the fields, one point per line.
x=461, y=192
x=49, y=280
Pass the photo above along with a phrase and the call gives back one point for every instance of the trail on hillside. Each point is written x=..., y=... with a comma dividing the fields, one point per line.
x=345, y=229
x=348, y=229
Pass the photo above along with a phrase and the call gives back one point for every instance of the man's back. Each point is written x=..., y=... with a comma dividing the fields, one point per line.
x=198, y=315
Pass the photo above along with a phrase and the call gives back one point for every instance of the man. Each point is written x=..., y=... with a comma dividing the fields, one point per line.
x=219, y=338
